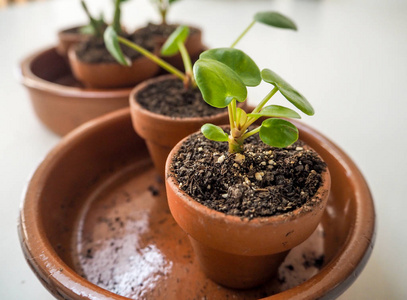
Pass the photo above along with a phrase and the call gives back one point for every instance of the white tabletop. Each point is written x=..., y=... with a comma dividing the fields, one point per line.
x=349, y=58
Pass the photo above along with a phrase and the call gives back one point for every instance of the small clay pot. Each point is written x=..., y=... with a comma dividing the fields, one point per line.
x=111, y=74
x=237, y=252
x=162, y=133
x=193, y=44
x=68, y=37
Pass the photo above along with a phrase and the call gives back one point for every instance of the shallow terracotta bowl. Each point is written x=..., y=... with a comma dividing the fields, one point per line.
x=60, y=102
x=95, y=224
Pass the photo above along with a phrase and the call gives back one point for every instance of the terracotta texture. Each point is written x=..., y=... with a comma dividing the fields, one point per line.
x=95, y=208
x=66, y=39
x=238, y=252
x=111, y=75
x=162, y=133
x=60, y=102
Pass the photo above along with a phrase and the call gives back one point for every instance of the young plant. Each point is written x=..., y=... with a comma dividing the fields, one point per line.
x=222, y=75
x=173, y=45
x=117, y=16
x=163, y=6
x=176, y=43
x=95, y=26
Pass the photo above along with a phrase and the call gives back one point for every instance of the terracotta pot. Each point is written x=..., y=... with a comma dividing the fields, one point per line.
x=162, y=133
x=111, y=75
x=61, y=102
x=237, y=252
x=68, y=37
x=101, y=173
x=193, y=44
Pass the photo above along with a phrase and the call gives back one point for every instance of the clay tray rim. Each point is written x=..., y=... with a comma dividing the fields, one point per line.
x=357, y=247
x=26, y=77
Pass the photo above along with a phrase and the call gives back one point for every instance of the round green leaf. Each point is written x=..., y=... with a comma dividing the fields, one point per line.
x=288, y=91
x=276, y=111
x=170, y=46
x=112, y=45
x=214, y=133
x=238, y=61
x=218, y=83
x=278, y=133
x=275, y=19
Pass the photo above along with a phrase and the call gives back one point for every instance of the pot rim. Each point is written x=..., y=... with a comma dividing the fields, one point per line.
x=134, y=105
x=64, y=30
x=274, y=220
x=30, y=80
x=73, y=55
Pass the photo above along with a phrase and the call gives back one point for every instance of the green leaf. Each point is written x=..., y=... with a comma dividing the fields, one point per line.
x=170, y=46
x=278, y=133
x=238, y=61
x=218, y=83
x=87, y=29
x=276, y=111
x=214, y=133
x=112, y=44
x=172, y=1
x=241, y=116
x=288, y=91
x=275, y=19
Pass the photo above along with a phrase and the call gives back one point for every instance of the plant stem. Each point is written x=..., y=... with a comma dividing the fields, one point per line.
x=93, y=23
x=186, y=59
x=243, y=34
x=263, y=102
x=250, y=133
x=236, y=121
x=116, y=17
x=153, y=57
x=231, y=117
x=235, y=146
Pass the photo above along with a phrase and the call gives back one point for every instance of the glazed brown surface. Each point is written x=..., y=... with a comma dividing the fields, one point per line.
x=94, y=208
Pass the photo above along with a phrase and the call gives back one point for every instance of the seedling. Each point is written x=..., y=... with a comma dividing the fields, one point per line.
x=97, y=26
x=176, y=43
x=117, y=16
x=173, y=45
x=223, y=75
x=163, y=6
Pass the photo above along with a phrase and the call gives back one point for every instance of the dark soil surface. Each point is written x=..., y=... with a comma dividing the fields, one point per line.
x=94, y=49
x=264, y=181
x=160, y=30
x=170, y=98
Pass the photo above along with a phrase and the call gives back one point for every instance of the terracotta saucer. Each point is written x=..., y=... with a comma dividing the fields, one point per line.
x=95, y=224
x=61, y=102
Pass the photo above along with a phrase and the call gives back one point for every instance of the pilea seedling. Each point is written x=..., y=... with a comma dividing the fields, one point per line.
x=223, y=75
x=163, y=6
x=173, y=45
x=176, y=43
x=95, y=26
